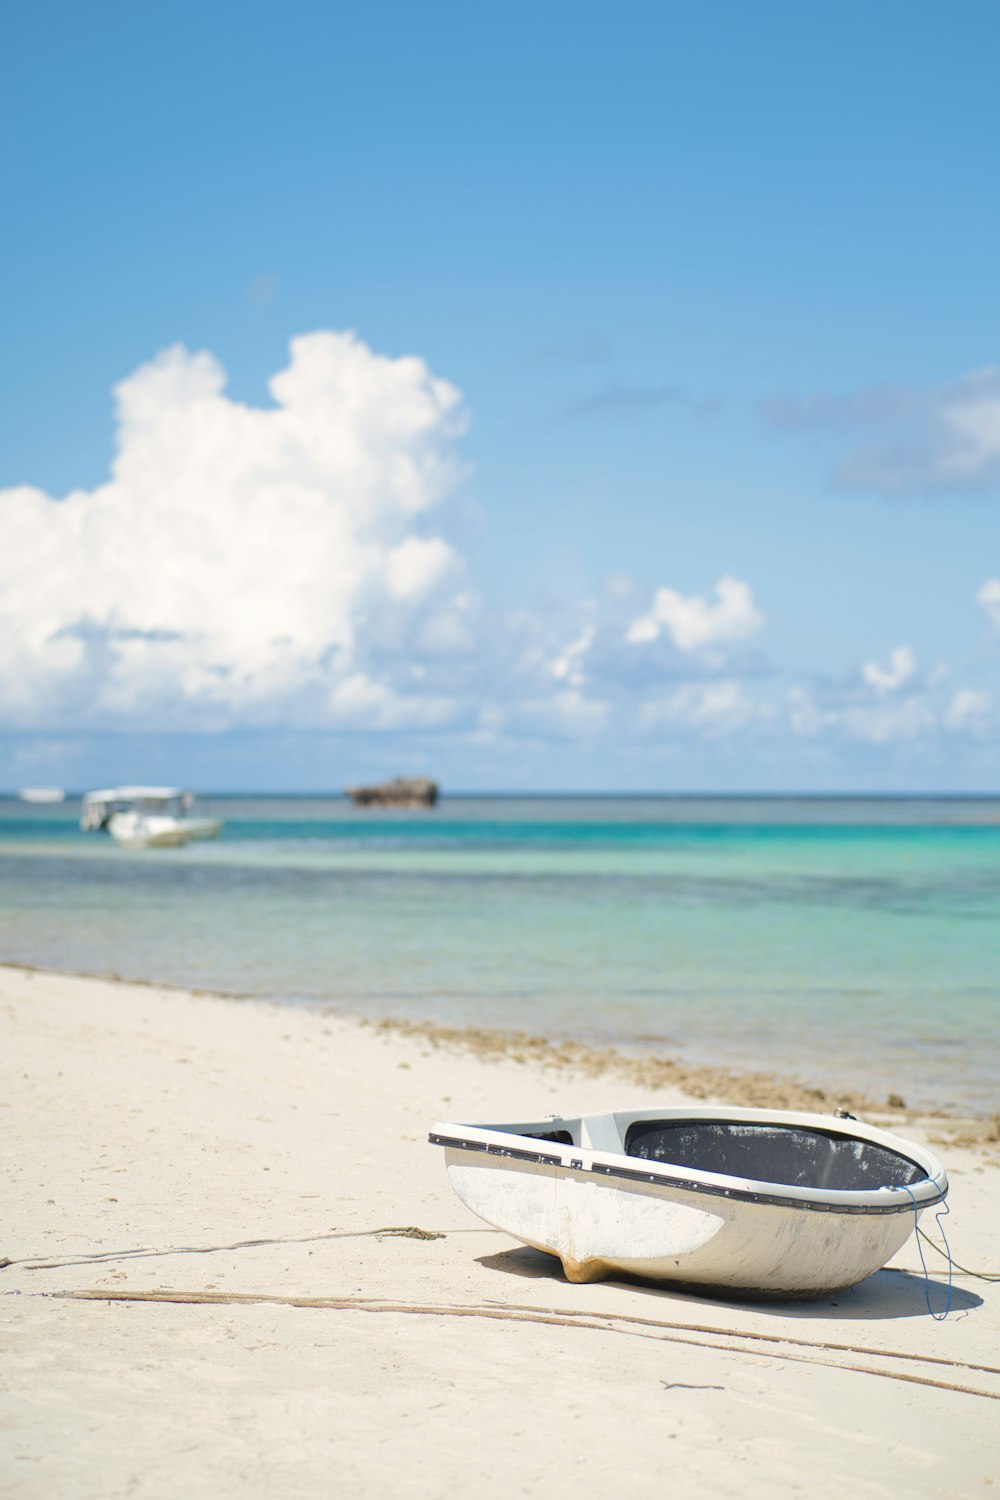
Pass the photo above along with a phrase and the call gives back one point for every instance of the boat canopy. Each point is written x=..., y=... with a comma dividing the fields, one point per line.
x=98, y=807
x=135, y=794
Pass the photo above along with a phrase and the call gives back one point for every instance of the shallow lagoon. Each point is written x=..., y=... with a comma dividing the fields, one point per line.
x=855, y=943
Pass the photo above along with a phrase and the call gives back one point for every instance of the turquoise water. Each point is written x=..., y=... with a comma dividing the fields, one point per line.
x=852, y=943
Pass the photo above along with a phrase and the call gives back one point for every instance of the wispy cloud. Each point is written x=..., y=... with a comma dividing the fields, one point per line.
x=906, y=440
x=896, y=703
x=988, y=597
x=619, y=399
x=583, y=349
x=969, y=710
x=262, y=289
x=714, y=710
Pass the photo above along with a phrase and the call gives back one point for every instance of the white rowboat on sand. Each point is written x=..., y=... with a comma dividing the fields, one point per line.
x=749, y=1202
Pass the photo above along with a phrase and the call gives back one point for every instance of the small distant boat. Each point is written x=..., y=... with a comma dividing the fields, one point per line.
x=42, y=794
x=146, y=817
x=776, y=1204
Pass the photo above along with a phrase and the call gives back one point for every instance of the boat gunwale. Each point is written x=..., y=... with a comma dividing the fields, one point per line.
x=889, y=1199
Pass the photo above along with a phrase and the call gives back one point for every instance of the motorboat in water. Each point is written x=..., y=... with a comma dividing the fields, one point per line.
x=146, y=817
x=42, y=794
x=749, y=1202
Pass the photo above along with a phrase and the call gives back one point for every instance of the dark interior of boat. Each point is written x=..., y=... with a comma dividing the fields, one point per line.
x=794, y=1155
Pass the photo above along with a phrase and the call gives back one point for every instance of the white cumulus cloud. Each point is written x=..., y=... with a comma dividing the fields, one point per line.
x=568, y=665
x=902, y=665
x=240, y=560
x=989, y=598
x=692, y=621
x=969, y=709
x=288, y=566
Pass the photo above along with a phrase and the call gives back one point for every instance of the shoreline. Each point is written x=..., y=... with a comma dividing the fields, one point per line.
x=696, y=1082
x=235, y=1268
x=644, y=1069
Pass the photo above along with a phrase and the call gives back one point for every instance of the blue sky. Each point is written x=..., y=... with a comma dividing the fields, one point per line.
x=715, y=288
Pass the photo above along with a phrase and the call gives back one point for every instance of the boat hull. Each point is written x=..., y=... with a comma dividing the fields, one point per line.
x=155, y=831
x=202, y=828
x=599, y=1229
x=603, y=1213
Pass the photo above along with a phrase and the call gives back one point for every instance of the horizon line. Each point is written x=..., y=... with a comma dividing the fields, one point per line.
x=14, y=794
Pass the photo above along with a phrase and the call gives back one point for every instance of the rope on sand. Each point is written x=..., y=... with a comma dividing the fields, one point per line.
x=574, y=1319
x=403, y=1232
x=952, y=1262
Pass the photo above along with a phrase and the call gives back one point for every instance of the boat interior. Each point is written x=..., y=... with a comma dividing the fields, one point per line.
x=793, y=1154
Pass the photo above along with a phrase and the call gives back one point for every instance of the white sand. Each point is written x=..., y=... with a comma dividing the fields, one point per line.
x=136, y=1118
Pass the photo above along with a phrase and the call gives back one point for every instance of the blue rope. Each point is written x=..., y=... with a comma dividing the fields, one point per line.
x=942, y=1211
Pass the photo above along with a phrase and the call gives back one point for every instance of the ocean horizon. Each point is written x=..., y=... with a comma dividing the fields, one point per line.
x=851, y=941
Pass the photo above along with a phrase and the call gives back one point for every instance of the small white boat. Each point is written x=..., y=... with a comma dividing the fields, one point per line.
x=42, y=794
x=761, y=1203
x=152, y=830
x=146, y=817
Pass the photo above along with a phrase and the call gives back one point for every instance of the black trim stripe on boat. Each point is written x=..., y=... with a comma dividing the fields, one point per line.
x=632, y=1174
x=544, y=1157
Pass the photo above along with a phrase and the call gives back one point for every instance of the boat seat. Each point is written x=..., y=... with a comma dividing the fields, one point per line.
x=601, y=1133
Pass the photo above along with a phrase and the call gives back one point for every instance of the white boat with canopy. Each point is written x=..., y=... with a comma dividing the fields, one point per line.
x=146, y=817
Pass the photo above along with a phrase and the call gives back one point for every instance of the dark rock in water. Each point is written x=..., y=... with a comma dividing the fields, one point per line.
x=896, y=1101
x=402, y=791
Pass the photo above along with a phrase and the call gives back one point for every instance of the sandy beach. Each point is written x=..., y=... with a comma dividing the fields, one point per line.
x=360, y=1334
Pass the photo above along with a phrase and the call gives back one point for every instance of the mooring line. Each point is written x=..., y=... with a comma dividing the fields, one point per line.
x=575, y=1312
x=521, y=1315
x=784, y=1338
x=141, y=1252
